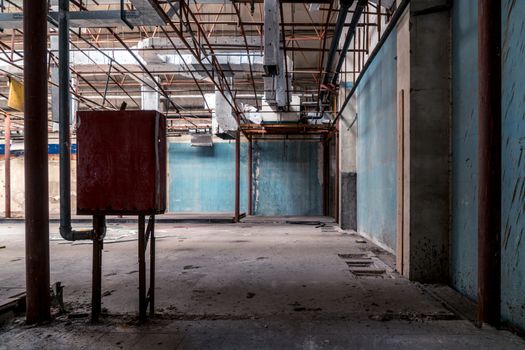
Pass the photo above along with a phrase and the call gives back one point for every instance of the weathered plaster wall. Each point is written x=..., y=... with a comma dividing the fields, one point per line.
x=464, y=156
x=376, y=148
x=202, y=179
x=513, y=163
x=348, y=166
x=429, y=144
x=464, y=186
x=17, y=186
x=287, y=178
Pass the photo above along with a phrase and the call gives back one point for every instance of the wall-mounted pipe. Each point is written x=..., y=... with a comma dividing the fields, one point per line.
x=64, y=113
x=338, y=31
x=359, y=9
x=391, y=25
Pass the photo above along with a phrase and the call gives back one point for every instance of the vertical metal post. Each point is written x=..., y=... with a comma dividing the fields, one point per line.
x=250, y=169
x=7, y=158
x=489, y=161
x=99, y=226
x=36, y=162
x=64, y=112
x=336, y=196
x=237, y=175
x=326, y=176
x=152, y=268
x=142, y=268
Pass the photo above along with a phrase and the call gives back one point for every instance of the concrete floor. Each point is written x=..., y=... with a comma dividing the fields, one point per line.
x=224, y=286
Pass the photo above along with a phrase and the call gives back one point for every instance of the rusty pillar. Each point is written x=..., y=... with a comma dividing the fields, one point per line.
x=237, y=175
x=7, y=157
x=336, y=197
x=36, y=162
x=99, y=227
x=250, y=161
x=326, y=176
x=489, y=161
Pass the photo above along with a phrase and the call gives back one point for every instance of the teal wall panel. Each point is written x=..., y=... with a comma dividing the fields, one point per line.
x=377, y=147
x=202, y=179
x=513, y=163
x=287, y=178
x=464, y=136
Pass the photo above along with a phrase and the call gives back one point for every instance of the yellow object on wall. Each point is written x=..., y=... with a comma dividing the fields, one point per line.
x=16, y=95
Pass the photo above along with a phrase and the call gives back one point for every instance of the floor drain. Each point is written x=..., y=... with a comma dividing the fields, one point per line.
x=368, y=272
x=352, y=256
x=361, y=265
x=359, y=262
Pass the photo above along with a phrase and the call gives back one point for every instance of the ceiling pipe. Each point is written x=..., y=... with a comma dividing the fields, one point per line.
x=360, y=7
x=391, y=26
x=338, y=31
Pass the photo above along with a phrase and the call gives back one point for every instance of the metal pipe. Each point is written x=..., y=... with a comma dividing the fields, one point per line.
x=36, y=162
x=338, y=31
x=283, y=35
x=489, y=161
x=64, y=112
x=323, y=48
x=250, y=165
x=391, y=25
x=360, y=7
x=7, y=158
x=237, y=175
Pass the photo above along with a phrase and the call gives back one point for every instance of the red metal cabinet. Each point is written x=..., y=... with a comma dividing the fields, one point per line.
x=121, y=162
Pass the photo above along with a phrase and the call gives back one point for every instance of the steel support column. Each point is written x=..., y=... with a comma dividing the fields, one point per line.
x=36, y=162
x=237, y=174
x=250, y=162
x=489, y=161
x=326, y=176
x=7, y=168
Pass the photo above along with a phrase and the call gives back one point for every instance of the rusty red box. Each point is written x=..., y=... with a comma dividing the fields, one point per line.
x=121, y=163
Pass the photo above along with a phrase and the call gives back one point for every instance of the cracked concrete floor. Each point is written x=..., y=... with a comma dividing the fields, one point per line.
x=245, y=286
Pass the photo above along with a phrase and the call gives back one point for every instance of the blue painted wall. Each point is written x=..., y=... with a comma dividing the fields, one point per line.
x=513, y=162
x=202, y=179
x=463, y=239
x=287, y=178
x=377, y=147
x=464, y=156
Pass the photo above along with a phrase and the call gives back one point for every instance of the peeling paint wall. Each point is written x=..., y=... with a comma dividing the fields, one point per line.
x=287, y=178
x=464, y=156
x=202, y=179
x=464, y=187
x=513, y=163
x=377, y=148
x=17, y=186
